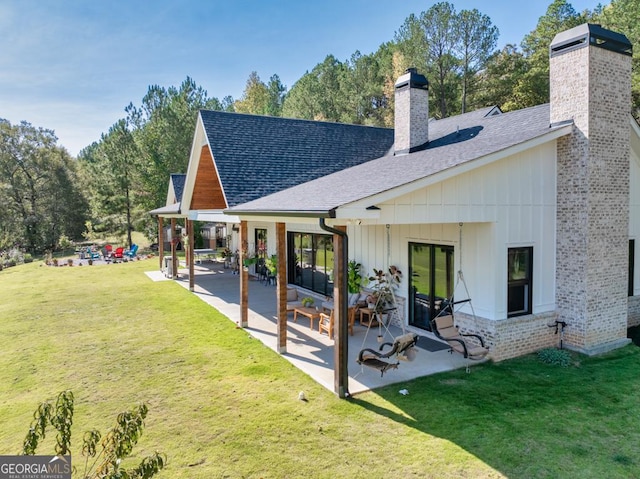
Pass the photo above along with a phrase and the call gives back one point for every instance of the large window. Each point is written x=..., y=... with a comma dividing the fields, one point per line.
x=520, y=281
x=310, y=261
x=431, y=281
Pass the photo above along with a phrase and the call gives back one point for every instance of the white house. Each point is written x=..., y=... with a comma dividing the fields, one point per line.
x=537, y=210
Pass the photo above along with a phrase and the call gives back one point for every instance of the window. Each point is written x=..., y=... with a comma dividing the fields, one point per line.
x=632, y=250
x=431, y=281
x=261, y=243
x=310, y=261
x=520, y=276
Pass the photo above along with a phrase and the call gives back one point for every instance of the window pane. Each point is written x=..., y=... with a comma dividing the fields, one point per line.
x=519, y=268
x=312, y=261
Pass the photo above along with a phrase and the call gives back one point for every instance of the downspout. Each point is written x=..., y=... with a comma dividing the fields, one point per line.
x=342, y=349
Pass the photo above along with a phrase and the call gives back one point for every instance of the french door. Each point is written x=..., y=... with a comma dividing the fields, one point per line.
x=431, y=280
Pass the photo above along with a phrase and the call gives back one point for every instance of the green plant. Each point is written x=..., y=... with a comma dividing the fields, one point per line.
x=355, y=278
x=384, y=287
x=271, y=263
x=307, y=302
x=555, y=357
x=107, y=452
x=28, y=258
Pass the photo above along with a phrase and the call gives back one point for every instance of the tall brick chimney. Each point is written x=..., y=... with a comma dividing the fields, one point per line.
x=411, y=112
x=590, y=82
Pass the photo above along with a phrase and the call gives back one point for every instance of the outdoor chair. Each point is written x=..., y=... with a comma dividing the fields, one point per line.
x=399, y=348
x=107, y=253
x=471, y=346
x=326, y=323
x=131, y=253
x=118, y=253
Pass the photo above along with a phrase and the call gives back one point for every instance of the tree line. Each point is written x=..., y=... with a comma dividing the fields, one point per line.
x=114, y=182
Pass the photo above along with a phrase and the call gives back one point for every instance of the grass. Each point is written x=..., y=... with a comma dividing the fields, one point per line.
x=222, y=405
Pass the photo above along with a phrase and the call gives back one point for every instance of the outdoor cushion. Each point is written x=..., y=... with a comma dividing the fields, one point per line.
x=292, y=294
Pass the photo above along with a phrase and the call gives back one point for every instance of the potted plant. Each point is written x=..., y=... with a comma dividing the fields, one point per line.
x=355, y=281
x=307, y=302
x=271, y=263
x=384, y=287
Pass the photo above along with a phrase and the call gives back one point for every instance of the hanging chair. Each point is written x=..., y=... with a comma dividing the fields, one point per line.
x=471, y=346
x=400, y=348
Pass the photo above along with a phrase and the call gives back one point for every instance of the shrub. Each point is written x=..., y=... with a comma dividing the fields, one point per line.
x=555, y=357
x=107, y=451
x=28, y=258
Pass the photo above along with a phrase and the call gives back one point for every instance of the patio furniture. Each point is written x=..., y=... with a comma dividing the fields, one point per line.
x=91, y=254
x=310, y=313
x=131, y=253
x=326, y=323
x=399, y=348
x=368, y=317
x=465, y=344
x=107, y=253
x=118, y=253
x=293, y=299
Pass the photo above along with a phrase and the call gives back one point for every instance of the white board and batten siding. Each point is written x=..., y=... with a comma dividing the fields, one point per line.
x=508, y=203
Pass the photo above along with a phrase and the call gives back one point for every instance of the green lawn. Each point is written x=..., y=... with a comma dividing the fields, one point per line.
x=223, y=405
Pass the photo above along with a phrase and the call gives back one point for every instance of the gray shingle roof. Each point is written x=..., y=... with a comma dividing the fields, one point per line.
x=453, y=141
x=259, y=155
x=178, y=179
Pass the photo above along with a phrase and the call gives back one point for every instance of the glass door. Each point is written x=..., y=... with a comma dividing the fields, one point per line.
x=431, y=281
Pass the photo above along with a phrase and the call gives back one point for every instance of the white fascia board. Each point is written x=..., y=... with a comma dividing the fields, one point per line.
x=199, y=139
x=360, y=213
x=455, y=171
x=278, y=219
x=212, y=216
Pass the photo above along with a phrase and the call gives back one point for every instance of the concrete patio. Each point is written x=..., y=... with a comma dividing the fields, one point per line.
x=307, y=349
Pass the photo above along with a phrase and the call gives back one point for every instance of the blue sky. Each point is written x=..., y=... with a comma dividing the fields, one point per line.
x=74, y=65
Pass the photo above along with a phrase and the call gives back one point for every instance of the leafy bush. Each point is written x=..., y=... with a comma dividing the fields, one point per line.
x=28, y=258
x=555, y=357
x=107, y=451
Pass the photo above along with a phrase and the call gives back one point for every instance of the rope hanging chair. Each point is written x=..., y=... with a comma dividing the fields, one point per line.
x=471, y=346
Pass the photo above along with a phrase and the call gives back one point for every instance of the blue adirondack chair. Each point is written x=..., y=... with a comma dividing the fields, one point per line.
x=131, y=253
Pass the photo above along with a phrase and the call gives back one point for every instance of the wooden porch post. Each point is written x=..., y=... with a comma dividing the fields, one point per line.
x=174, y=249
x=244, y=277
x=281, y=287
x=160, y=240
x=341, y=315
x=192, y=281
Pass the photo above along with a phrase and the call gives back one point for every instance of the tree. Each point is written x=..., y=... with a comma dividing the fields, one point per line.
x=533, y=86
x=496, y=83
x=162, y=127
x=107, y=453
x=112, y=166
x=39, y=184
x=302, y=100
x=277, y=92
x=364, y=90
x=622, y=16
x=439, y=25
x=450, y=48
x=255, y=98
x=477, y=41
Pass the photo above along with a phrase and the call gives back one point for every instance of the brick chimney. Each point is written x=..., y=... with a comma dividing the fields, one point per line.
x=590, y=83
x=411, y=112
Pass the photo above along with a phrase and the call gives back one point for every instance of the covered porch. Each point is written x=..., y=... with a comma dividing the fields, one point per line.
x=307, y=349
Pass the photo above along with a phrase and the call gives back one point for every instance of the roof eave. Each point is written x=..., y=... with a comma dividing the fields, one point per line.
x=278, y=213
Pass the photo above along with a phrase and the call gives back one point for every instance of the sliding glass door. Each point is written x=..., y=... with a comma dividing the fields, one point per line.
x=431, y=279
